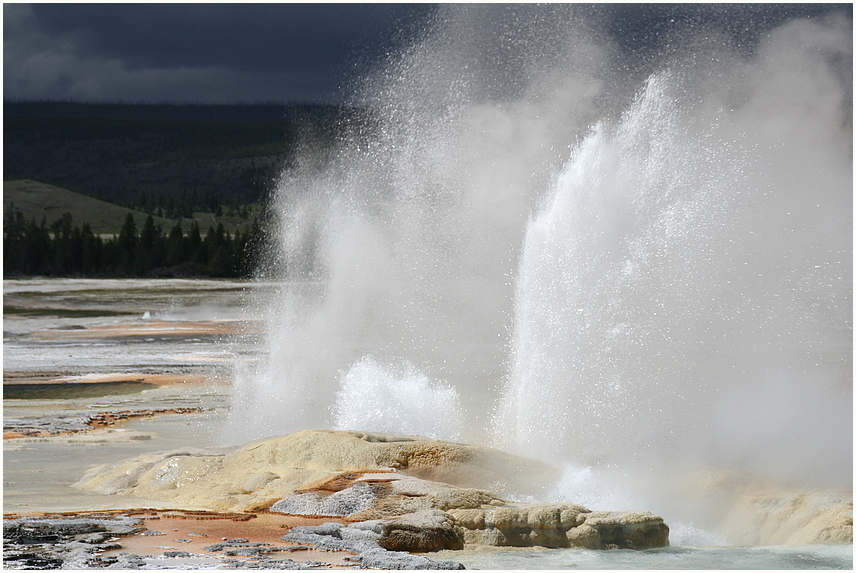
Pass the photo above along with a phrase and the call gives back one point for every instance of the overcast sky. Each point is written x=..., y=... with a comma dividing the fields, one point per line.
x=217, y=53
x=227, y=53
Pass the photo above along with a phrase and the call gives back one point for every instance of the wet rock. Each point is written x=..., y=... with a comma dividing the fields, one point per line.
x=420, y=531
x=67, y=543
x=380, y=496
x=620, y=530
x=560, y=525
x=382, y=559
x=266, y=564
x=359, y=497
x=411, y=514
x=368, y=552
x=328, y=537
x=124, y=561
x=48, y=425
x=237, y=542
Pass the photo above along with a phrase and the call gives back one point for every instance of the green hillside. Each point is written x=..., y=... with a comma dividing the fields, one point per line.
x=211, y=167
x=51, y=231
x=37, y=200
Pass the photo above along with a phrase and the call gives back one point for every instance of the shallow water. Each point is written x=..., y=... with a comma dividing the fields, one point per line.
x=63, y=390
x=44, y=317
x=796, y=557
x=38, y=472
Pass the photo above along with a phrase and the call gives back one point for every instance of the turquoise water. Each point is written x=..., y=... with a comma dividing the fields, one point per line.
x=777, y=557
x=66, y=390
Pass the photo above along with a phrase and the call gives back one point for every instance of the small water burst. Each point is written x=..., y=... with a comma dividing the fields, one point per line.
x=396, y=400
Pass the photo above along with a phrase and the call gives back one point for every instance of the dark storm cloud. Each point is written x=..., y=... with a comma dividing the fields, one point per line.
x=195, y=52
x=285, y=52
x=255, y=36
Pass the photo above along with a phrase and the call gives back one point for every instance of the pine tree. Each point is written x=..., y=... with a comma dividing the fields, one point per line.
x=146, y=251
x=176, y=246
x=127, y=246
x=91, y=260
x=195, y=249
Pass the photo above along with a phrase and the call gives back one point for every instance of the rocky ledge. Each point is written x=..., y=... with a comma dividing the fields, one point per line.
x=95, y=541
x=410, y=514
x=403, y=493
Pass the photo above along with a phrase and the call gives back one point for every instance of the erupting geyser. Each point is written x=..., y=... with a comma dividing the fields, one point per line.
x=532, y=240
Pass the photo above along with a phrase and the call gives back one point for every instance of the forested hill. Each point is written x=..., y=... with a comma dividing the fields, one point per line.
x=181, y=187
x=153, y=156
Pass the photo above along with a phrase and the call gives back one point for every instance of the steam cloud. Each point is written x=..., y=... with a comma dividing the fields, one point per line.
x=609, y=266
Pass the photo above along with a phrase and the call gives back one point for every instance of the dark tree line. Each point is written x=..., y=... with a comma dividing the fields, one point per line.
x=186, y=203
x=63, y=249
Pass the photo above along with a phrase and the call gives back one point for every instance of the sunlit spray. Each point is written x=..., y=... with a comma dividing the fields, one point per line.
x=640, y=277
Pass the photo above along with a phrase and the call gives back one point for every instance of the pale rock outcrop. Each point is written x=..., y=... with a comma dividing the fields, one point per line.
x=378, y=495
x=791, y=518
x=161, y=471
x=410, y=514
x=405, y=513
x=561, y=525
x=620, y=530
x=403, y=493
x=751, y=510
x=393, y=479
x=265, y=471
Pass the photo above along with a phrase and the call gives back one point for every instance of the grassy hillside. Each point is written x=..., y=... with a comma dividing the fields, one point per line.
x=37, y=200
x=203, y=164
x=51, y=231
